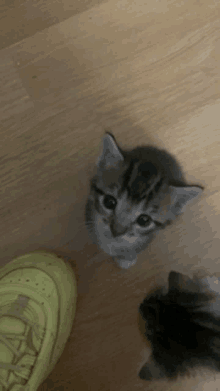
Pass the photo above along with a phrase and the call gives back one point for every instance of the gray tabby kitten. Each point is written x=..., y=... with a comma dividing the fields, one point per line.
x=134, y=195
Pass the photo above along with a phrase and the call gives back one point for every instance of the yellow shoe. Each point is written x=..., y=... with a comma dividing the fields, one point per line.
x=38, y=294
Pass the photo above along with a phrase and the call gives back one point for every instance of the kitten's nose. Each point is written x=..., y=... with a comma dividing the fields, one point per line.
x=117, y=229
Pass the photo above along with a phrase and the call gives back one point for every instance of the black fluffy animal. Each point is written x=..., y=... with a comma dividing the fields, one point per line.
x=183, y=327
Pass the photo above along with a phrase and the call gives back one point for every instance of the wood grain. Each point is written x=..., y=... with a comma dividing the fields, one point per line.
x=150, y=72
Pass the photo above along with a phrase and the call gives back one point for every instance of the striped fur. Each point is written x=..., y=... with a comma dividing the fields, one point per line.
x=134, y=195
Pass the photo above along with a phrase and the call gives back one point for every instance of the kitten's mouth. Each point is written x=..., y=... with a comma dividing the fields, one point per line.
x=119, y=249
x=123, y=248
x=124, y=259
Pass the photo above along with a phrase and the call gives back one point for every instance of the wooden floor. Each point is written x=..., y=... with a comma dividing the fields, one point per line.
x=150, y=72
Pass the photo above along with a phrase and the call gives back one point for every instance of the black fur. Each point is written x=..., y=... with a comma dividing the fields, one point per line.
x=183, y=328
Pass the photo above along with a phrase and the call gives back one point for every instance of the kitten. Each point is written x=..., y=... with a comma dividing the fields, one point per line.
x=134, y=195
x=183, y=327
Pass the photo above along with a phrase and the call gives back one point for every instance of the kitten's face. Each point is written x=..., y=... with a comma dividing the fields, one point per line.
x=130, y=200
x=121, y=226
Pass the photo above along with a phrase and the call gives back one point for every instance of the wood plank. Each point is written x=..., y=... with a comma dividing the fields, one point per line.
x=149, y=71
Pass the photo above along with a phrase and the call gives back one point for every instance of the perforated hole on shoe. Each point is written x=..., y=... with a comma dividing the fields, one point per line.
x=41, y=285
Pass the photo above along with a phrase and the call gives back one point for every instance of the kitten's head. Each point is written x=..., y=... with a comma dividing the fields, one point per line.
x=183, y=327
x=133, y=195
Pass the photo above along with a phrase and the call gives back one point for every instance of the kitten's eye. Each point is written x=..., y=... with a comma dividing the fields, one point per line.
x=143, y=220
x=110, y=202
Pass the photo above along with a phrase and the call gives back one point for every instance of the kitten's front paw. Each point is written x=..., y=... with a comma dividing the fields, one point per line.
x=124, y=264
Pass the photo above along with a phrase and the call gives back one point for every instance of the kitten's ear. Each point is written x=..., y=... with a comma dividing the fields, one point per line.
x=210, y=308
x=150, y=371
x=212, y=283
x=111, y=154
x=181, y=282
x=176, y=280
x=182, y=196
